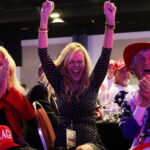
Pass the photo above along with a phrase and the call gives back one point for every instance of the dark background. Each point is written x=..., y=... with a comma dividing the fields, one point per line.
x=19, y=19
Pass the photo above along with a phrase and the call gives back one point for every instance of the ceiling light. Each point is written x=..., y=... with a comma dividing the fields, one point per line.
x=57, y=20
x=54, y=15
x=92, y=21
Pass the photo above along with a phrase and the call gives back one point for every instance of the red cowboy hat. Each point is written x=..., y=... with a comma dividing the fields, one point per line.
x=131, y=50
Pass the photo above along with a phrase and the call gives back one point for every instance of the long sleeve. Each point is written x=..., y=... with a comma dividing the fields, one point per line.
x=52, y=73
x=21, y=104
x=129, y=127
x=100, y=69
x=16, y=108
x=128, y=124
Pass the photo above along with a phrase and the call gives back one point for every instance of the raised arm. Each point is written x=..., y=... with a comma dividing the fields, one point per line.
x=110, y=12
x=101, y=66
x=47, y=8
x=52, y=73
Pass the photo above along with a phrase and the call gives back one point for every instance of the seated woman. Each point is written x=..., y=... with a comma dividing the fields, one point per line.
x=75, y=87
x=13, y=105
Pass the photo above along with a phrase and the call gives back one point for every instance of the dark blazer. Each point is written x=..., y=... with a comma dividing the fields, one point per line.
x=38, y=92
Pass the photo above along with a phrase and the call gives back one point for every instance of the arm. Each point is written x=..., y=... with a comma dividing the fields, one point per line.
x=131, y=119
x=101, y=67
x=21, y=104
x=144, y=91
x=129, y=127
x=135, y=120
x=53, y=75
x=110, y=12
x=47, y=8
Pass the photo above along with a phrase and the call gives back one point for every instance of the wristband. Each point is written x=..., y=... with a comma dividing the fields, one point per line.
x=111, y=27
x=43, y=30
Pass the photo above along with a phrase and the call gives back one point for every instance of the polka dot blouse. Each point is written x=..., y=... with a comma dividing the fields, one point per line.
x=78, y=115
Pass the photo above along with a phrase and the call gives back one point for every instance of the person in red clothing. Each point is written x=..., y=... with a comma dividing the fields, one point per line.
x=13, y=104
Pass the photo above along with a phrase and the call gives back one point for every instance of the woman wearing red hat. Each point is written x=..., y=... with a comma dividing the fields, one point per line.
x=136, y=119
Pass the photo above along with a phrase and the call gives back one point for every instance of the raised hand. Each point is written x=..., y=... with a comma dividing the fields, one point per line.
x=110, y=12
x=144, y=90
x=47, y=8
x=4, y=78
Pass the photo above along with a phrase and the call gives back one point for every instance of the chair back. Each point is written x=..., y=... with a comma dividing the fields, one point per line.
x=44, y=126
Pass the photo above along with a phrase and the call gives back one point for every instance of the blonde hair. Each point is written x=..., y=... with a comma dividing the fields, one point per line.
x=12, y=66
x=61, y=63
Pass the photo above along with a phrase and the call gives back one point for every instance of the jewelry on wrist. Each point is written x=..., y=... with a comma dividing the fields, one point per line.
x=43, y=30
x=110, y=27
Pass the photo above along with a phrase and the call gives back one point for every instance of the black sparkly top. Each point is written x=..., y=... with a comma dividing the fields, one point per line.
x=81, y=114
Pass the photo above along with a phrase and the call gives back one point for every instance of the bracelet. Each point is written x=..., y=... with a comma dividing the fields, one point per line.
x=43, y=30
x=110, y=27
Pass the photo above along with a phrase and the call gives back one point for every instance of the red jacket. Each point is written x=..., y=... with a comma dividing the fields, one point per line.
x=16, y=107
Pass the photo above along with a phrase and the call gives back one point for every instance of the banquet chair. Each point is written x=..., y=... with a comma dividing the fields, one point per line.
x=44, y=126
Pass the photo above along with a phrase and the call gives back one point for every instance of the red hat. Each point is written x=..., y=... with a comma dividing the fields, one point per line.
x=6, y=139
x=131, y=50
x=119, y=64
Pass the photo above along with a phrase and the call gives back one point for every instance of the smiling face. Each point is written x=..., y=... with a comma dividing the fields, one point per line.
x=143, y=63
x=122, y=76
x=76, y=65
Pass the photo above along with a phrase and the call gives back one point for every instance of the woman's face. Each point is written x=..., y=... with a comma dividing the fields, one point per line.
x=76, y=66
x=1, y=60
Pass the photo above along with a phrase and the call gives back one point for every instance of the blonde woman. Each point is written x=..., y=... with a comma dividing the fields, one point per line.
x=12, y=70
x=13, y=105
x=75, y=85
